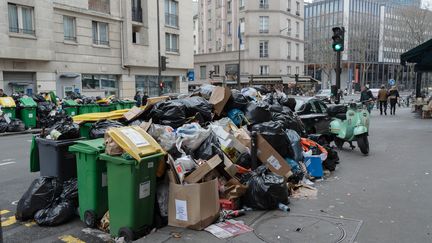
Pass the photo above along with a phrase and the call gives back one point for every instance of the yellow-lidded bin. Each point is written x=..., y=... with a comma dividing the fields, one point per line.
x=8, y=106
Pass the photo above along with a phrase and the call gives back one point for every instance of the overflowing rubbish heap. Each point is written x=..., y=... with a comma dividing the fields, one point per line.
x=196, y=162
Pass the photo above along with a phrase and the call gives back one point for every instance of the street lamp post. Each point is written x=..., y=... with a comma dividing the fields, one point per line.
x=159, y=50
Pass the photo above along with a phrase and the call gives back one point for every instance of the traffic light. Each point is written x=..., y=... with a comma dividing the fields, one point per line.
x=161, y=86
x=163, y=63
x=338, y=39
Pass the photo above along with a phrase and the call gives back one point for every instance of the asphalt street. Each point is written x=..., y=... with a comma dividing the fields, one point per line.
x=383, y=197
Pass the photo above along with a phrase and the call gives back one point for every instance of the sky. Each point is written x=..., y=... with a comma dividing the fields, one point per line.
x=428, y=2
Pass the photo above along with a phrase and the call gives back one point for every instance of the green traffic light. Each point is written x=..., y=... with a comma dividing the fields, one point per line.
x=338, y=47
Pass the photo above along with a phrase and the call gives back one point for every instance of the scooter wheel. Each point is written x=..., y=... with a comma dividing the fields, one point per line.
x=363, y=143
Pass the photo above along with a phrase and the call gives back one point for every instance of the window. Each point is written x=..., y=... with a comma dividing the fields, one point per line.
x=288, y=70
x=264, y=70
x=107, y=83
x=288, y=5
x=137, y=35
x=297, y=29
x=216, y=69
x=209, y=34
x=264, y=24
x=242, y=25
x=289, y=27
x=69, y=28
x=171, y=13
x=229, y=29
x=242, y=4
x=297, y=51
x=298, y=8
x=171, y=42
x=229, y=6
x=100, y=33
x=297, y=70
x=203, y=72
x=288, y=50
x=263, y=49
x=264, y=4
x=21, y=19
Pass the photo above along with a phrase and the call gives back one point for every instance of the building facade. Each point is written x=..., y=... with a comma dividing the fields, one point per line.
x=376, y=34
x=267, y=37
x=94, y=47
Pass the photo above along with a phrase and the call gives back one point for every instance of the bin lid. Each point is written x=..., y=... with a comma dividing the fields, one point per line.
x=122, y=161
x=70, y=103
x=27, y=102
x=89, y=146
x=7, y=102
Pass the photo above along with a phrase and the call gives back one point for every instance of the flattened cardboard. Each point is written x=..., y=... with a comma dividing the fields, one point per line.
x=200, y=172
x=133, y=113
x=219, y=98
x=111, y=147
x=271, y=158
x=194, y=206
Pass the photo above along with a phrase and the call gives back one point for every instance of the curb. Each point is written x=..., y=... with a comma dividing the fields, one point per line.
x=33, y=131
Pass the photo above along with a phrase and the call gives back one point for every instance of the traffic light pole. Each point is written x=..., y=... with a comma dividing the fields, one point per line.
x=159, y=50
x=338, y=70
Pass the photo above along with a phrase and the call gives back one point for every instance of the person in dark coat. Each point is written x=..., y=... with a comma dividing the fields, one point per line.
x=2, y=94
x=144, y=98
x=137, y=99
x=367, y=98
x=393, y=97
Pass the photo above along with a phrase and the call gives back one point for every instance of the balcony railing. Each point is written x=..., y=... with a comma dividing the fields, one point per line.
x=70, y=38
x=263, y=31
x=22, y=31
x=171, y=20
x=264, y=5
x=172, y=49
x=101, y=42
x=137, y=14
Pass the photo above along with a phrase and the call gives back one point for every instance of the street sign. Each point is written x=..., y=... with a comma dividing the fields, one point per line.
x=391, y=82
x=191, y=75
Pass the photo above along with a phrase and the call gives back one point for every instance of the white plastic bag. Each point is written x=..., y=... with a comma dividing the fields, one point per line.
x=190, y=136
x=164, y=135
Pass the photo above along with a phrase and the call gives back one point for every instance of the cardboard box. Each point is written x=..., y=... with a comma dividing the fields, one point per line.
x=133, y=113
x=111, y=147
x=271, y=158
x=194, y=206
x=219, y=98
x=203, y=170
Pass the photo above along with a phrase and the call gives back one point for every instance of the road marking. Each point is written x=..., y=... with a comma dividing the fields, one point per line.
x=2, y=212
x=7, y=163
x=70, y=239
x=9, y=221
x=7, y=160
x=30, y=224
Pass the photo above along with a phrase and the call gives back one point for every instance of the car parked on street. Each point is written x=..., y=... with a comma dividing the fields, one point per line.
x=313, y=113
x=324, y=95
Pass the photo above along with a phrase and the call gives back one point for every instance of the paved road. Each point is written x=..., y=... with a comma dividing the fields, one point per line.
x=390, y=191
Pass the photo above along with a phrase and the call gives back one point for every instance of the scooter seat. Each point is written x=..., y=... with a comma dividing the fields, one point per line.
x=341, y=116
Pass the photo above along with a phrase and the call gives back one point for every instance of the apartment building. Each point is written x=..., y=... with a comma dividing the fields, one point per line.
x=267, y=35
x=94, y=47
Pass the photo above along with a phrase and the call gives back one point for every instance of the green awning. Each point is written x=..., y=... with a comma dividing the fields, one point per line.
x=420, y=55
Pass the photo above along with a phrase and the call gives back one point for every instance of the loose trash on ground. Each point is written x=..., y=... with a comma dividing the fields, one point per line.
x=194, y=162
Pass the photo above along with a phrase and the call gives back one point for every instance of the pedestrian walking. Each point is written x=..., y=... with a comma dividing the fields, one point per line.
x=382, y=99
x=144, y=98
x=367, y=98
x=393, y=97
x=137, y=99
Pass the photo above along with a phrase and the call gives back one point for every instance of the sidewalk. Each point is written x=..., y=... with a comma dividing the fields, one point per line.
x=29, y=131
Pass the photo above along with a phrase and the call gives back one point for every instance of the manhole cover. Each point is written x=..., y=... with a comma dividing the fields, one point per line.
x=299, y=228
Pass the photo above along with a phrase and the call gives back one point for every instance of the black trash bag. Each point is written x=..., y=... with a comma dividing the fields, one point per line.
x=274, y=134
x=16, y=125
x=257, y=112
x=198, y=107
x=43, y=113
x=99, y=128
x=73, y=96
x=88, y=100
x=169, y=113
x=135, y=123
x=39, y=195
x=261, y=88
x=62, y=208
x=209, y=148
x=67, y=128
x=236, y=101
x=289, y=121
x=245, y=160
x=332, y=159
x=288, y=102
x=38, y=98
x=296, y=177
x=265, y=189
x=296, y=146
x=205, y=91
x=3, y=126
x=336, y=109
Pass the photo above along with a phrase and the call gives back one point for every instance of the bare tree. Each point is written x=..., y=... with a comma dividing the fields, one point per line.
x=417, y=23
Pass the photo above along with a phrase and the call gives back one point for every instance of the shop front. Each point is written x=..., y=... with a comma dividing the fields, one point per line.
x=19, y=82
x=149, y=84
x=100, y=85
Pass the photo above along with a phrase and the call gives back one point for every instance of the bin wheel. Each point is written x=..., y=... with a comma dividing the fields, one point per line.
x=127, y=234
x=90, y=218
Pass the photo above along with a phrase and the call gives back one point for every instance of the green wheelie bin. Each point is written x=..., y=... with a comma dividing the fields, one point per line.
x=131, y=194
x=28, y=112
x=8, y=106
x=85, y=129
x=70, y=107
x=92, y=180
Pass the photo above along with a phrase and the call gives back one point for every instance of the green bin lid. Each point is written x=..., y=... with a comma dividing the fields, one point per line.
x=70, y=103
x=89, y=146
x=120, y=160
x=28, y=102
